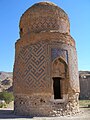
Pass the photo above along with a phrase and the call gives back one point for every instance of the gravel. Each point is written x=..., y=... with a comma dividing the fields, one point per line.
x=9, y=114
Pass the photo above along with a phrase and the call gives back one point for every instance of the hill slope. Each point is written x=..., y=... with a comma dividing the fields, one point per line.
x=6, y=81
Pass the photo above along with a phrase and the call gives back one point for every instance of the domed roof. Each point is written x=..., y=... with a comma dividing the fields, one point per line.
x=44, y=16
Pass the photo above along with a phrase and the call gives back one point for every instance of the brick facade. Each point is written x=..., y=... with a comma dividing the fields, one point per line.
x=45, y=54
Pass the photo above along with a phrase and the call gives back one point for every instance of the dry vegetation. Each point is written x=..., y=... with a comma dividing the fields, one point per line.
x=84, y=103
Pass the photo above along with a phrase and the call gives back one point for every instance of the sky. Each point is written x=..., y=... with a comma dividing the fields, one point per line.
x=11, y=11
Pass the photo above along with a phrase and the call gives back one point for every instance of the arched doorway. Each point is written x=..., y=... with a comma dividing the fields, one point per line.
x=59, y=74
x=57, y=87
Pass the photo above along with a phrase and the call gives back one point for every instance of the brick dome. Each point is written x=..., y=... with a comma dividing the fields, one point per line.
x=44, y=16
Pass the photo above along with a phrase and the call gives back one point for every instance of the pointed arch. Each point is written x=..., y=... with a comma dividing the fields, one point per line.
x=59, y=67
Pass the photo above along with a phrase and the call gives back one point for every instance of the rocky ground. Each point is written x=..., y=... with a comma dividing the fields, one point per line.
x=8, y=114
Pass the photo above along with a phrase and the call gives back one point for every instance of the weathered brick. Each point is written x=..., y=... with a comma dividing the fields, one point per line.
x=45, y=53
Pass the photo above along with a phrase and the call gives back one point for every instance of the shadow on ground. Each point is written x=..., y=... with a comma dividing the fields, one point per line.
x=9, y=114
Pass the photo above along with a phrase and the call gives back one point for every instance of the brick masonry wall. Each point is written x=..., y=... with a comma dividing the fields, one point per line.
x=38, y=52
x=84, y=79
x=32, y=73
x=38, y=56
x=41, y=105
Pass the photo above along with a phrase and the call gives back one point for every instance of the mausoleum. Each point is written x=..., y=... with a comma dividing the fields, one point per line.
x=46, y=80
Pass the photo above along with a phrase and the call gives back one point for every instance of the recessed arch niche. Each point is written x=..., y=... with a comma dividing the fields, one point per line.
x=59, y=78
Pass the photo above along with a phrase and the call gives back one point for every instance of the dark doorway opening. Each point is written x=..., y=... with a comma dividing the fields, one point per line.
x=57, y=88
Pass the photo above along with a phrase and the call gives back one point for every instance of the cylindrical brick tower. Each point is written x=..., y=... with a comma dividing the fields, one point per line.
x=46, y=81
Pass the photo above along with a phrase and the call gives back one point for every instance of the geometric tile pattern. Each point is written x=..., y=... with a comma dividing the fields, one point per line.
x=44, y=23
x=57, y=52
x=35, y=65
x=31, y=66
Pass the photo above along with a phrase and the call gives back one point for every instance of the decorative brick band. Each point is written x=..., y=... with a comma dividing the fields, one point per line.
x=44, y=36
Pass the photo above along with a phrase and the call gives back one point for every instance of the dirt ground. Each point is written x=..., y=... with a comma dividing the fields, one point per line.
x=8, y=114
